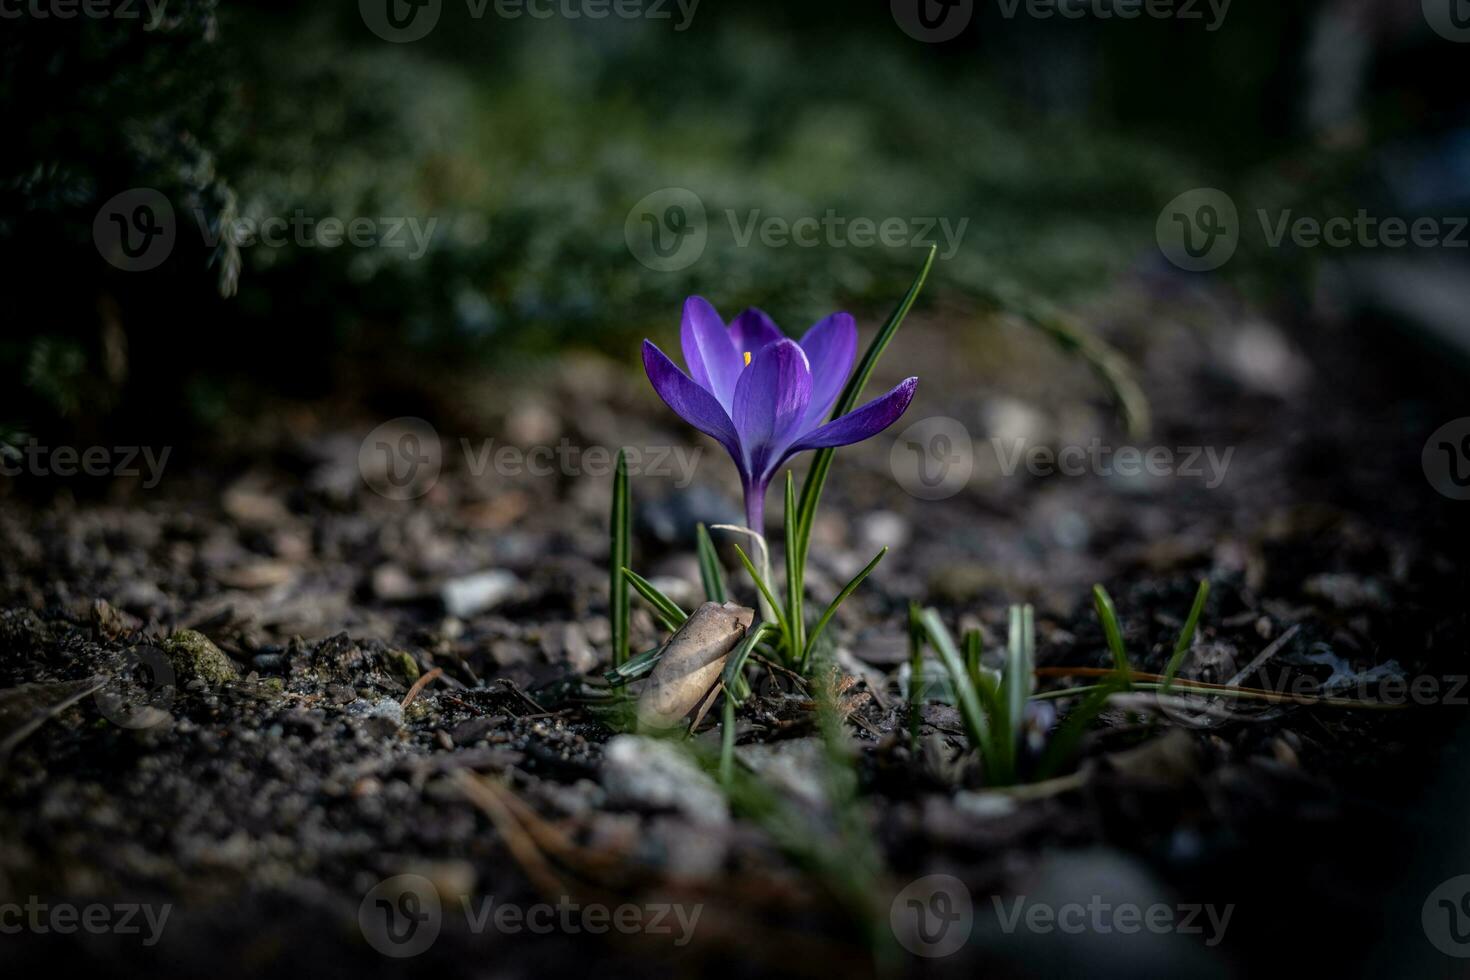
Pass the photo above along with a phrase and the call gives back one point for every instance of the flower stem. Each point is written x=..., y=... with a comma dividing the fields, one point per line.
x=755, y=508
x=755, y=519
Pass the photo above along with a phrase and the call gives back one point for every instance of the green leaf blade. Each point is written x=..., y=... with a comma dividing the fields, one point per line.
x=666, y=609
x=711, y=575
x=621, y=534
x=1186, y=635
x=816, y=477
x=831, y=610
x=1108, y=615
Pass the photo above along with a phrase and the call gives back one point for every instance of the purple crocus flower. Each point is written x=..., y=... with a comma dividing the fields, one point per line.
x=763, y=396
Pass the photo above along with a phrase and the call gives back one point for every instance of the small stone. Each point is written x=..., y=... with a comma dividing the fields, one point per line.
x=195, y=657
x=472, y=594
x=653, y=774
x=470, y=732
x=1346, y=591
x=390, y=583
x=671, y=520
x=883, y=529
x=264, y=574
x=792, y=766
x=111, y=622
x=381, y=717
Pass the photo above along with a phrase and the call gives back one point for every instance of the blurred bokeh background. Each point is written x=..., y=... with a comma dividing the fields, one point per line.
x=501, y=160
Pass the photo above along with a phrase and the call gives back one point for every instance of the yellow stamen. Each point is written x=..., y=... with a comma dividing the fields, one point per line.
x=747, y=358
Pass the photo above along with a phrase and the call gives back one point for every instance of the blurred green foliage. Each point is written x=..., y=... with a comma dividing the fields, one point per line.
x=526, y=143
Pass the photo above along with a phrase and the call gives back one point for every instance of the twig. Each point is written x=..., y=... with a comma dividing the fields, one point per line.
x=1264, y=655
x=419, y=685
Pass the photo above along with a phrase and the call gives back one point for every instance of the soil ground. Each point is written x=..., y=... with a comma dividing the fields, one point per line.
x=264, y=793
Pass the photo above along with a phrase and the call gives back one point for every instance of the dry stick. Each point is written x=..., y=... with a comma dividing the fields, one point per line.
x=1205, y=687
x=530, y=837
x=419, y=685
x=484, y=794
x=1265, y=655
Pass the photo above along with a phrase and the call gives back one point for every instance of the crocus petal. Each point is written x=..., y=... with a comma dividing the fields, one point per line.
x=692, y=403
x=830, y=348
x=713, y=363
x=770, y=402
x=861, y=423
x=752, y=330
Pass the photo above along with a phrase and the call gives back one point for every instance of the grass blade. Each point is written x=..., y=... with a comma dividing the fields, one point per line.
x=736, y=661
x=711, y=575
x=977, y=724
x=621, y=532
x=794, y=576
x=984, y=680
x=765, y=590
x=666, y=609
x=973, y=646
x=634, y=668
x=831, y=610
x=1109, y=618
x=816, y=477
x=916, y=671
x=1186, y=635
x=1016, y=679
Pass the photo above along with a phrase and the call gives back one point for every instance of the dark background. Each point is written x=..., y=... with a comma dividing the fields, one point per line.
x=529, y=140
